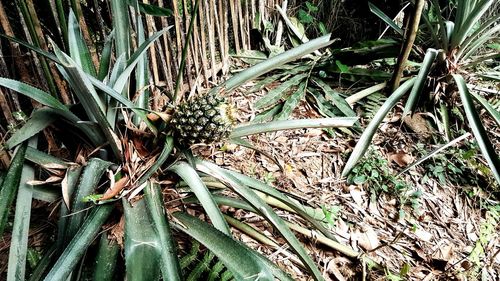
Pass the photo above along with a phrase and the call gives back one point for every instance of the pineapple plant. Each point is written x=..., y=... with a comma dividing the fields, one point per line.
x=452, y=45
x=114, y=189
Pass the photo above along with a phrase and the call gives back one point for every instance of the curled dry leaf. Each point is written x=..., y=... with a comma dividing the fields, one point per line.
x=368, y=240
x=401, y=158
x=115, y=188
x=443, y=255
x=117, y=231
x=52, y=179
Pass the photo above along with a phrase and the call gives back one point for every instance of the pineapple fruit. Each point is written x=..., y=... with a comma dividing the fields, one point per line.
x=205, y=119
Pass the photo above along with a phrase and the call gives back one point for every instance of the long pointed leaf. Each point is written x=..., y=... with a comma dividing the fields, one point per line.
x=366, y=138
x=46, y=160
x=471, y=19
x=32, y=92
x=170, y=267
x=20, y=229
x=134, y=59
x=489, y=108
x=306, y=212
x=78, y=49
x=10, y=185
x=92, y=103
x=106, y=259
x=335, y=98
x=46, y=99
x=105, y=58
x=274, y=62
x=189, y=175
x=243, y=263
x=425, y=68
x=165, y=153
x=89, y=180
x=121, y=26
x=277, y=93
x=142, y=70
x=292, y=102
x=252, y=129
x=126, y=102
x=375, y=10
x=79, y=244
x=141, y=244
x=264, y=210
x=477, y=128
x=40, y=119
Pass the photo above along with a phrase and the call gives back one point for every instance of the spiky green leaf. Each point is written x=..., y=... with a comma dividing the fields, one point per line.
x=243, y=263
x=170, y=267
x=75, y=250
x=141, y=243
x=477, y=128
x=366, y=138
x=189, y=175
x=20, y=230
x=78, y=49
x=252, y=129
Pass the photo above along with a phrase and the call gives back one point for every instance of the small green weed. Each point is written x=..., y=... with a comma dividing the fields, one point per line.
x=331, y=213
x=374, y=171
x=309, y=18
x=457, y=166
x=486, y=233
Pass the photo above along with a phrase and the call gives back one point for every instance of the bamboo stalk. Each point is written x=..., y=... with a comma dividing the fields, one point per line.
x=50, y=71
x=241, y=21
x=187, y=22
x=408, y=44
x=247, y=25
x=166, y=55
x=178, y=31
x=209, y=9
x=218, y=29
x=4, y=105
x=225, y=36
x=195, y=46
x=203, y=29
x=234, y=20
x=16, y=53
x=150, y=25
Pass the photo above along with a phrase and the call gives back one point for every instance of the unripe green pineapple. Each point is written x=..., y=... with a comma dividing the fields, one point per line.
x=204, y=119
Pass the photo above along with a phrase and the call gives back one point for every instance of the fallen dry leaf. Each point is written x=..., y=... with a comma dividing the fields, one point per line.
x=368, y=240
x=443, y=255
x=356, y=194
x=419, y=125
x=52, y=179
x=423, y=235
x=400, y=158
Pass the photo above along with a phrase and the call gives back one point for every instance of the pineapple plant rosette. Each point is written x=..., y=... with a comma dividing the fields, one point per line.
x=452, y=41
x=127, y=161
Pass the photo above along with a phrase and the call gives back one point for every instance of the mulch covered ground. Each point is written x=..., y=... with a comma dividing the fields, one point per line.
x=429, y=230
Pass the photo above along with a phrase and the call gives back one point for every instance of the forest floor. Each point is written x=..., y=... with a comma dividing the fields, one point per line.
x=437, y=221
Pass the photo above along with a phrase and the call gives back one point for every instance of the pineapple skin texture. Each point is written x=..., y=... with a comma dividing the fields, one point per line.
x=203, y=119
